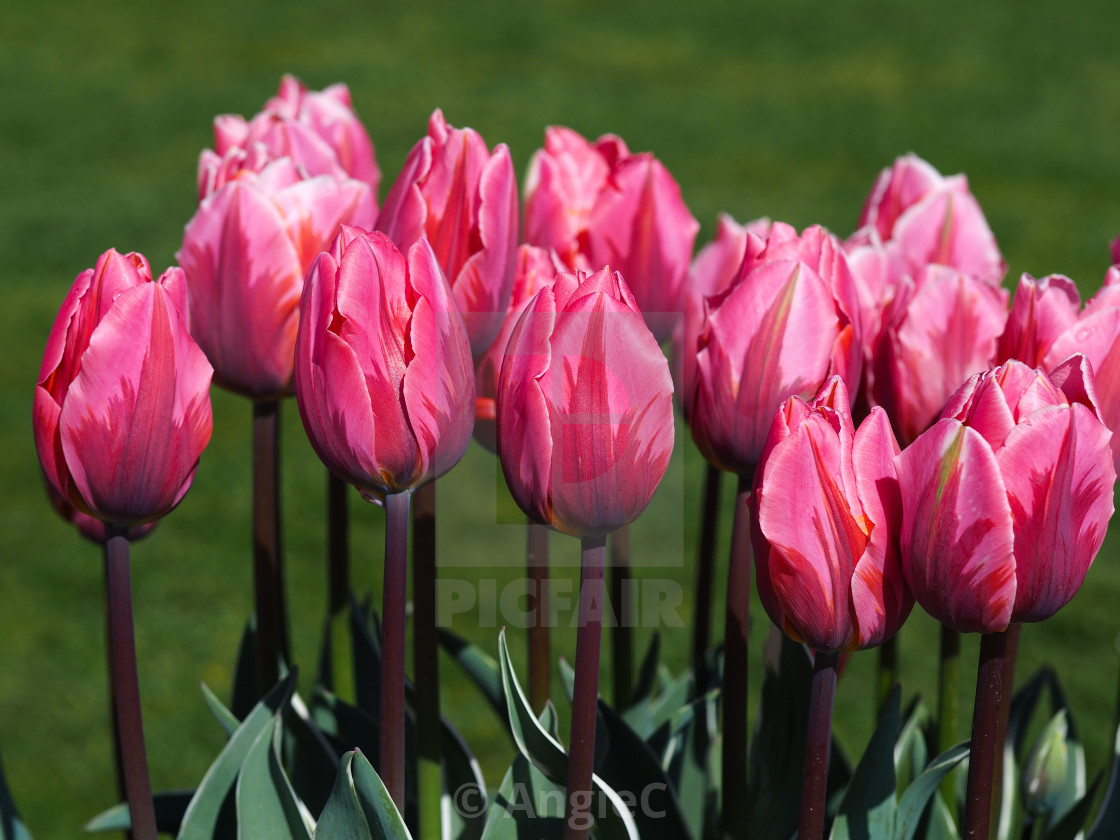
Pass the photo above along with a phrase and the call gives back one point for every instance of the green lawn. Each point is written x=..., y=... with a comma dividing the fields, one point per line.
x=781, y=109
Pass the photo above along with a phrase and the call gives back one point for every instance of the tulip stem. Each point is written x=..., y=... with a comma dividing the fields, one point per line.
x=622, y=635
x=982, y=756
x=948, y=689
x=735, y=686
x=705, y=574
x=585, y=699
x=118, y=758
x=888, y=674
x=268, y=566
x=394, y=594
x=126, y=683
x=818, y=736
x=1010, y=655
x=540, y=645
x=425, y=656
x=338, y=544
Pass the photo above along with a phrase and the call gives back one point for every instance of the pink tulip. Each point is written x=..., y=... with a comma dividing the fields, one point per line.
x=825, y=522
x=122, y=407
x=90, y=527
x=1007, y=497
x=383, y=368
x=924, y=218
x=940, y=328
x=536, y=269
x=713, y=270
x=1045, y=328
x=781, y=329
x=598, y=204
x=245, y=254
x=585, y=407
x=318, y=131
x=463, y=199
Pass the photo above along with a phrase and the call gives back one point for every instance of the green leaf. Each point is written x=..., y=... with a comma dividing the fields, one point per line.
x=243, y=692
x=1107, y=825
x=312, y=758
x=868, y=807
x=543, y=750
x=385, y=821
x=567, y=678
x=342, y=817
x=527, y=806
x=267, y=807
x=366, y=650
x=647, y=673
x=462, y=782
x=204, y=819
x=226, y=719
x=911, y=753
x=483, y=670
x=1072, y=822
x=941, y=825
x=170, y=807
x=11, y=826
x=913, y=802
x=687, y=757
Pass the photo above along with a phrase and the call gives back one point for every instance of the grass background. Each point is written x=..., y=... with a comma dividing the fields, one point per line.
x=783, y=109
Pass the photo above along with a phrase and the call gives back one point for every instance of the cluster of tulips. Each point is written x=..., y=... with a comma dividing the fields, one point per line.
x=802, y=363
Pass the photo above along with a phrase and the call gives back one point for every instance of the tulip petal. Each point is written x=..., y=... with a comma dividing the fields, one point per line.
x=1057, y=466
x=957, y=539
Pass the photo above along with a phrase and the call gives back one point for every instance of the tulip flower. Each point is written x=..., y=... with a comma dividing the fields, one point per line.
x=535, y=269
x=122, y=407
x=924, y=218
x=245, y=254
x=121, y=416
x=825, y=523
x=585, y=432
x=90, y=527
x=463, y=199
x=1047, y=326
x=780, y=329
x=939, y=328
x=317, y=130
x=585, y=415
x=383, y=376
x=598, y=204
x=1007, y=497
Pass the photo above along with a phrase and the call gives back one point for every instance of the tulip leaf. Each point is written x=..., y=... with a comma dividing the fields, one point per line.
x=613, y=819
x=385, y=821
x=567, y=678
x=483, y=670
x=226, y=719
x=1107, y=824
x=11, y=826
x=204, y=819
x=527, y=805
x=366, y=650
x=1072, y=821
x=910, y=752
x=336, y=656
x=267, y=807
x=940, y=825
x=342, y=817
x=348, y=726
x=631, y=768
x=868, y=807
x=914, y=799
x=777, y=750
x=687, y=758
x=462, y=780
x=647, y=673
x=170, y=806
x=311, y=757
x=243, y=692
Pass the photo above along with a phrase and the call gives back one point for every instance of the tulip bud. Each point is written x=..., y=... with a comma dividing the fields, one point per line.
x=383, y=372
x=122, y=407
x=585, y=407
x=1006, y=498
x=463, y=199
x=1046, y=772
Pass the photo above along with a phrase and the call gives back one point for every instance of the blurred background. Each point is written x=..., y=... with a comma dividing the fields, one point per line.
x=782, y=109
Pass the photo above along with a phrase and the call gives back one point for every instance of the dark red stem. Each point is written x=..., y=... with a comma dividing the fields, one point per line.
x=705, y=572
x=622, y=634
x=425, y=654
x=814, y=779
x=581, y=754
x=268, y=566
x=126, y=688
x=118, y=759
x=734, y=819
x=985, y=717
x=540, y=645
x=395, y=593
